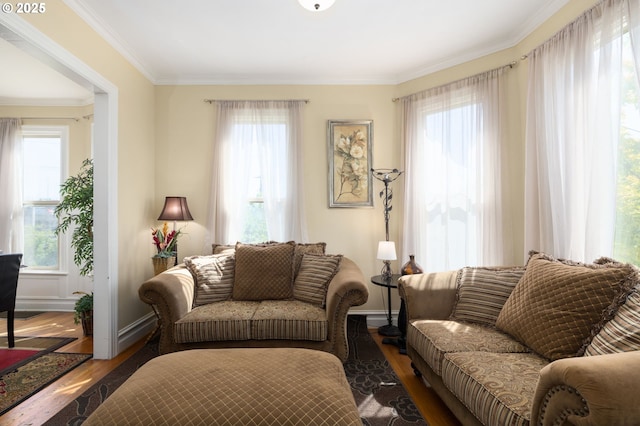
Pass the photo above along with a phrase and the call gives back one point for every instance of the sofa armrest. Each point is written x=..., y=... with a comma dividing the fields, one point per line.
x=589, y=390
x=347, y=288
x=428, y=296
x=171, y=294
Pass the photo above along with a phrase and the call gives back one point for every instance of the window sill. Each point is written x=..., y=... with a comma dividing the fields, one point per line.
x=36, y=272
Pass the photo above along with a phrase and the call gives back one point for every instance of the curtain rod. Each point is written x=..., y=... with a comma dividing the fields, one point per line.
x=50, y=118
x=510, y=65
x=210, y=101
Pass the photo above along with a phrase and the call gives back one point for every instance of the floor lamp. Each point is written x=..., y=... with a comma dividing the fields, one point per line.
x=175, y=209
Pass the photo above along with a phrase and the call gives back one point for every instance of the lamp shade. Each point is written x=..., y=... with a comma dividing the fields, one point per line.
x=175, y=208
x=386, y=250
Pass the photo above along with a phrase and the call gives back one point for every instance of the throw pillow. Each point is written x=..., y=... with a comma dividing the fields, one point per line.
x=312, y=282
x=482, y=292
x=222, y=248
x=554, y=307
x=301, y=249
x=264, y=272
x=213, y=275
x=622, y=333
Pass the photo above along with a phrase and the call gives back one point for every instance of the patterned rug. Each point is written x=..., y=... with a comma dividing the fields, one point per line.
x=380, y=396
x=35, y=366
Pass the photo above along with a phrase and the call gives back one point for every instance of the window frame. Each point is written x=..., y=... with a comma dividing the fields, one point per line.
x=61, y=131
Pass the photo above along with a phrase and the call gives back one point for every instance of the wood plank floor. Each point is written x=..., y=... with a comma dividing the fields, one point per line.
x=43, y=405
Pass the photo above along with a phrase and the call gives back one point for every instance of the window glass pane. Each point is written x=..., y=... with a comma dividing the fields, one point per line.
x=627, y=236
x=40, y=241
x=41, y=168
x=255, y=229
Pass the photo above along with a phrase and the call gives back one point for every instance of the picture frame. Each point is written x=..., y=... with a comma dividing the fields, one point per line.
x=350, y=149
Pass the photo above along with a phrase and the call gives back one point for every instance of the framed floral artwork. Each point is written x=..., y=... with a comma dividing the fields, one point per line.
x=350, y=146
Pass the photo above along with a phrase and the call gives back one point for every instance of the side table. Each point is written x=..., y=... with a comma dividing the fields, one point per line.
x=389, y=329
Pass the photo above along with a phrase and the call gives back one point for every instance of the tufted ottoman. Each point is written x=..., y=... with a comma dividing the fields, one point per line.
x=257, y=386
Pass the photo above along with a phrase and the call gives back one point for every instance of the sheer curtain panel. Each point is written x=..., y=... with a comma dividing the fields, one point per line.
x=573, y=131
x=257, y=155
x=453, y=208
x=11, y=221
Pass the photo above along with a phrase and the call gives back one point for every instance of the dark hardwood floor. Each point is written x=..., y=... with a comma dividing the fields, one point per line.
x=43, y=405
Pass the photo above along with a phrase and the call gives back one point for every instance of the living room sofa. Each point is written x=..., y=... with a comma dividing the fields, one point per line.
x=553, y=343
x=257, y=295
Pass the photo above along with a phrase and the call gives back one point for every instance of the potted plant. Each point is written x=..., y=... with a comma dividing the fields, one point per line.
x=76, y=211
x=166, y=243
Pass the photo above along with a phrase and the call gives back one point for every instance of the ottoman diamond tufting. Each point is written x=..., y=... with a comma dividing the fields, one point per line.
x=278, y=386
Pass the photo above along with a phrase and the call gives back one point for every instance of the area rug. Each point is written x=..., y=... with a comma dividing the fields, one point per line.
x=35, y=366
x=380, y=396
x=21, y=315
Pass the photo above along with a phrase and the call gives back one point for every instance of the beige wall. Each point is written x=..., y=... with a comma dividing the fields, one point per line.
x=165, y=136
x=136, y=147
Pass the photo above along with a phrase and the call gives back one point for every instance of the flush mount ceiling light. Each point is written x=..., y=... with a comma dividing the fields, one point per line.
x=316, y=5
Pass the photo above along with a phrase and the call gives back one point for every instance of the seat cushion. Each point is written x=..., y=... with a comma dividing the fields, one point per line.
x=498, y=388
x=290, y=320
x=435, y=338
x=228, y=320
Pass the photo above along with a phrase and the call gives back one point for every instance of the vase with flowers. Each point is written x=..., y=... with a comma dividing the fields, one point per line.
x=166, y=243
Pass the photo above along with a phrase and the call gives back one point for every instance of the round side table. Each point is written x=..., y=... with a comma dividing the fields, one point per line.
x=389, y=329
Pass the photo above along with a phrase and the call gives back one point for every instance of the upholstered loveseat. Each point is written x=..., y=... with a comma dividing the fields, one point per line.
x=552, y=343
x=257, y=295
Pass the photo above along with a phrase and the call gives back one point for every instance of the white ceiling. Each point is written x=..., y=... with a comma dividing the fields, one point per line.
x=279, y=42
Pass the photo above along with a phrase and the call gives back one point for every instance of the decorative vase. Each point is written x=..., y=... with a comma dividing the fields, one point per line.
x=161, y=264
x=411, y=267
x=86, y=318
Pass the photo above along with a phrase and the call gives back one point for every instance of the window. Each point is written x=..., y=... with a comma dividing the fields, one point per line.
x=453, y=207
x=42, y=175
x=627, y=235
x=257, y=180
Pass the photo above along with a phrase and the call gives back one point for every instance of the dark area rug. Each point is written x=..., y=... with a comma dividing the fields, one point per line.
x=380, y=396
x=21, y=315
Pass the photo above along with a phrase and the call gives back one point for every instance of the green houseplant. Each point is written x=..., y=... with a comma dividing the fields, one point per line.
x=76, y=211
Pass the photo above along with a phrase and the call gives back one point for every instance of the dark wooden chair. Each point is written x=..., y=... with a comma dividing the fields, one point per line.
x=9, y=271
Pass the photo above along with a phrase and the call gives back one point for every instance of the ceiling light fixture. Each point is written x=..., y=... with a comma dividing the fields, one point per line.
x=316, y=5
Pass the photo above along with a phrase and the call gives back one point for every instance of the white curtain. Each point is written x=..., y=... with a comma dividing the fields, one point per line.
x=269, y=132
x=572, y=133
x=453, y=203
x=11, y=219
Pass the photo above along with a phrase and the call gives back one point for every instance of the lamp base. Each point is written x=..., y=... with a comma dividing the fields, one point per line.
x=389, y=331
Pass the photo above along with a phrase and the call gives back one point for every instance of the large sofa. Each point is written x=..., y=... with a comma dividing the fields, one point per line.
x=257, y=295
x=553, y=343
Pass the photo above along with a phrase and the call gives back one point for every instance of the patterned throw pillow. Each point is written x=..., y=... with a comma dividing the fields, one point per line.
x=557, y=303
x=213, y=275
x=622, y=333
x=264, y=271
x=301, y=249
x=483, y=291
x=222, y=248
x=316, y=271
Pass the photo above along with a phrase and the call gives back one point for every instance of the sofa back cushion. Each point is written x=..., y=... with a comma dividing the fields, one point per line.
x=312, y=281
x=264, y=271
x=482, y=292
x=557, y=303
x=213, y=276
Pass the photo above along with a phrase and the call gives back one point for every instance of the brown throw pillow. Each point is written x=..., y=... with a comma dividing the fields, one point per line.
x=312, y=282
x=482, y=292
x=264, y=272
x=301, y=249
x=557, y=303
x=213, y=275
